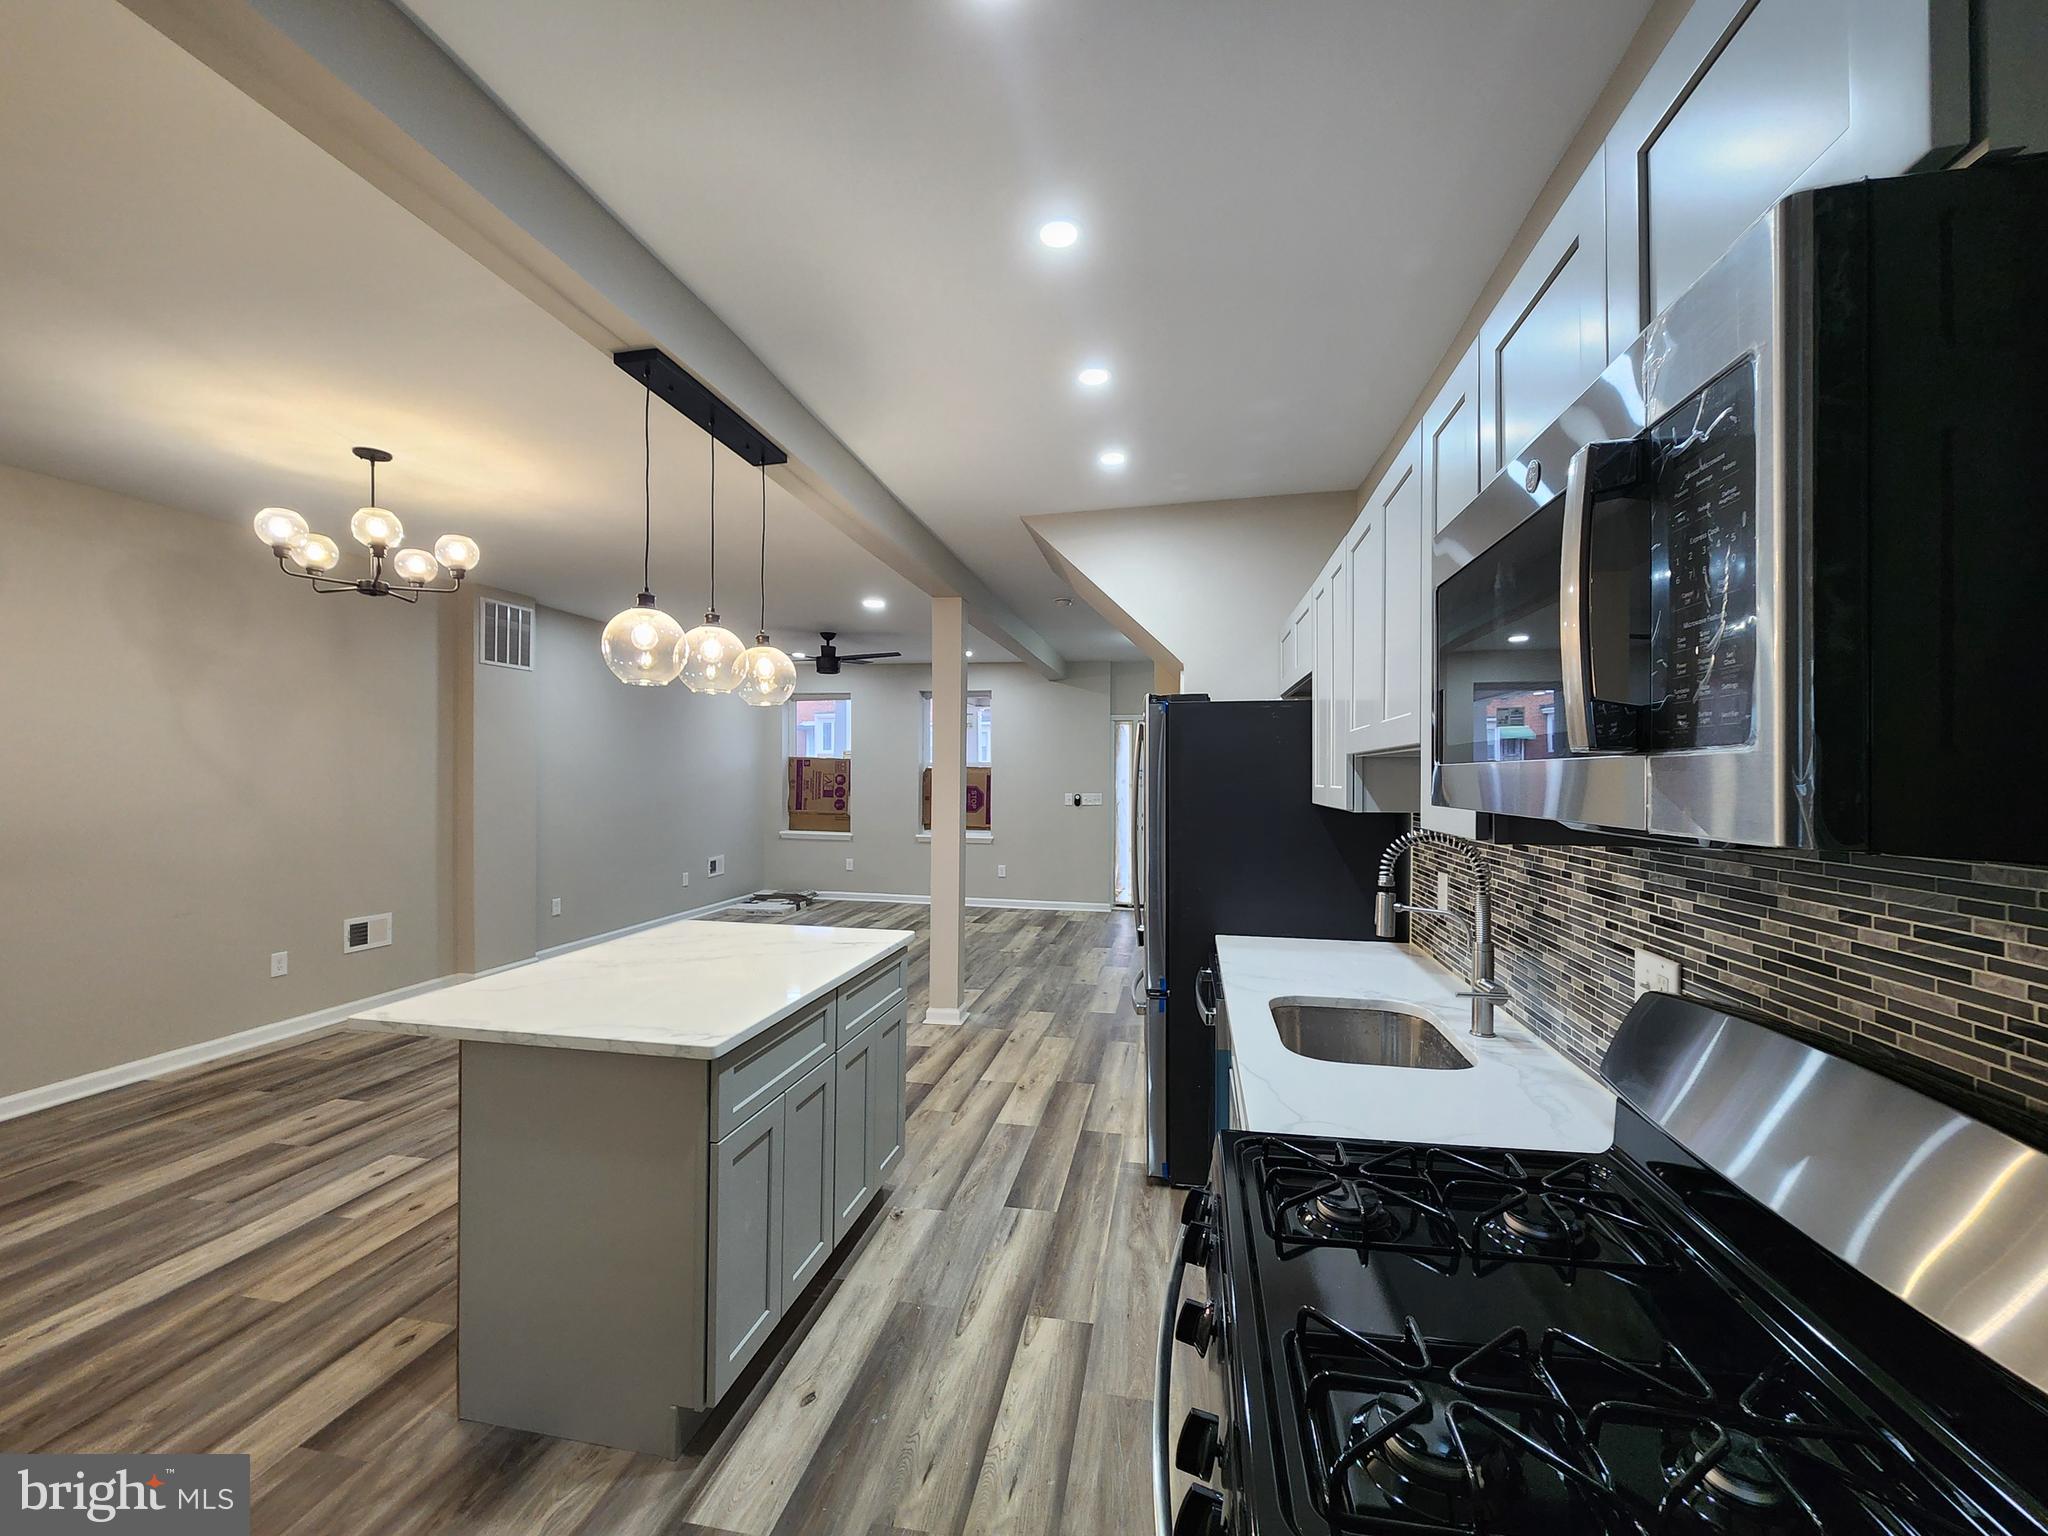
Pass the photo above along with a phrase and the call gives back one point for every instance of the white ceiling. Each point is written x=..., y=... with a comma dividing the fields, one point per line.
x=201, y=309
x=1287, y=209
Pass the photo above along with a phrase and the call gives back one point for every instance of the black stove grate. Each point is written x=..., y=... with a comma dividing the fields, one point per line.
x=1408, y=1434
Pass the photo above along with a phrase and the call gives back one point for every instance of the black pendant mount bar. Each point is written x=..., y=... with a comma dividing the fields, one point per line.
x=682, y=390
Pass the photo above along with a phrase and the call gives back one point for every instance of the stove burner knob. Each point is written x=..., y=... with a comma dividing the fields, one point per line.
x=1200, y=1443
x=1201, y=1513
x=1194, y=1211
x=1195, y=1245
x=1196, y=1324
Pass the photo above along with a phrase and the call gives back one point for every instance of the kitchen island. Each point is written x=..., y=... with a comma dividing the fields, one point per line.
x=663, y=1138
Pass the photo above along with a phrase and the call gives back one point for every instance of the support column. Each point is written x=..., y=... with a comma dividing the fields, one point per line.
x=949, y=809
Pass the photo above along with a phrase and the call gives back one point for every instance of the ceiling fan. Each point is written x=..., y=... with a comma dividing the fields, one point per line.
x=828, y=661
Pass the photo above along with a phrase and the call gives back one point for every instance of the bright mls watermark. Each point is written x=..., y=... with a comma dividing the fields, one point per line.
x=164, y=1495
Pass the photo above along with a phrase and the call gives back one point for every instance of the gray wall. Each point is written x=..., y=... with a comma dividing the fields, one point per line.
x=200, y=763
x=639, y=787
x=1048, y=738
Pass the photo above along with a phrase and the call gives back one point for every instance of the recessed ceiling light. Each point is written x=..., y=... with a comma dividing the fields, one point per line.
x=1092, y=378
x=873, y=604
x=970, y=653
x=796, y=656
x=1112, y=458
x=1059, y=234
x=1518, y=638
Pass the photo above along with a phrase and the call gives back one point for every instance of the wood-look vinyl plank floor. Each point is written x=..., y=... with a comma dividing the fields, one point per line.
x=259, y=1255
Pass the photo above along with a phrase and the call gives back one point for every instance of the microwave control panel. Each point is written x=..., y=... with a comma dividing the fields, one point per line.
x=1703, y=520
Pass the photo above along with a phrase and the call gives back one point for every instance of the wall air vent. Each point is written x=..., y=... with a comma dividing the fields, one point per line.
x=373, y=932
x=505, y=638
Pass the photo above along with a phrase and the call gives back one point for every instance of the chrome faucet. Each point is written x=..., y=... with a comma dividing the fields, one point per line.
x=1486, y=993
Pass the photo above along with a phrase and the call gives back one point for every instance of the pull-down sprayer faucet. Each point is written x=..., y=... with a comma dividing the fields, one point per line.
x=1485, y=993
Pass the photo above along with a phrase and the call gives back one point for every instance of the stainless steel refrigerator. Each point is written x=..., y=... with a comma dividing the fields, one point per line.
x=1233, y=844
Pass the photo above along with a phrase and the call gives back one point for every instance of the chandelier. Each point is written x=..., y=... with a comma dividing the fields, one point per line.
x=410, y=570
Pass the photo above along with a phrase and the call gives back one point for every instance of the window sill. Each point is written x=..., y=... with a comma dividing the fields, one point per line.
x=972, y=837
x=815, y=837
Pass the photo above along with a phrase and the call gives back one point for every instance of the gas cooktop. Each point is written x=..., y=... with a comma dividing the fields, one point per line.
x=1432, y=1339
x=1503, y=1342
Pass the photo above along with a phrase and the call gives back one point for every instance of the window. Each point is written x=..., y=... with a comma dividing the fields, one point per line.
x=823, y=727
x=818, y=746
x=979, y=728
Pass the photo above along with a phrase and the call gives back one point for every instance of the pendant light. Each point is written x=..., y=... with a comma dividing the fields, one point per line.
x=642, y=645
x=712, y=654
x=767, y=676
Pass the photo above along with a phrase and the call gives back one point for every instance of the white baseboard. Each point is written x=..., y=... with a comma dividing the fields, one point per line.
x=888, y=898
x=945, y=1015
x=49, y=1095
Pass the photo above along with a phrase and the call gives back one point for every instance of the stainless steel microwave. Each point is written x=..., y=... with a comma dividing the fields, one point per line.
x=1777, y=578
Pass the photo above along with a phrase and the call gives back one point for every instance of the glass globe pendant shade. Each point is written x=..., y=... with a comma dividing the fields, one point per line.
x=280, y=527
x=767, y=676
x=316, y=552
x=415, y=566
x=712, y=658
x=642, y=645
x=375, y=528
x=458, y=552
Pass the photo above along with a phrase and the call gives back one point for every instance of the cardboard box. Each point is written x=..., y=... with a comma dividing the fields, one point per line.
x=979, y=790
x=820, y=792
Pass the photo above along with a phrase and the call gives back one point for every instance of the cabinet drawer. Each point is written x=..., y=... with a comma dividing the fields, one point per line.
x=866, y=998
x=742, y=1086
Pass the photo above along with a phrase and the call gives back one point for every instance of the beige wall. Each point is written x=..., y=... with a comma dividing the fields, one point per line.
x=1048, y=738
x=639, y=787
x=1207, y=584
x=200, y=763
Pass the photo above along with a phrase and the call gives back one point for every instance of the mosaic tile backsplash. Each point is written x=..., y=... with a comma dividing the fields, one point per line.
x=1945, y=963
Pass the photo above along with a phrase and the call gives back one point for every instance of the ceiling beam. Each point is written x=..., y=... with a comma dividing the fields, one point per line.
x=363, y=81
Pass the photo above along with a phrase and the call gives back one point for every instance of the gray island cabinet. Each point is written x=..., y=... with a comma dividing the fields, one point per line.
x=663, y=1138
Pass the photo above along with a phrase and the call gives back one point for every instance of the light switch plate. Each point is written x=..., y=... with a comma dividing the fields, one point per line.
x=555, y=907
x=1092, y=798
x=1002, y=871
x=1657, y=973
x=849, y=863
x=686, y=877
x=280, y=962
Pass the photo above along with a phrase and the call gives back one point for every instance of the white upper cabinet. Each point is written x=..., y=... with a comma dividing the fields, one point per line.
x=1751, y=101
x=1379, y=613
x=1297, y=646
x=1450, y=479
x=1546, y=339
x=1331, y=770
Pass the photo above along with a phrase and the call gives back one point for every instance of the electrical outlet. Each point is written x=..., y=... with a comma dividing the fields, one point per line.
x=280, y=962
x=1002, y=871
x=1657, y=973
x=556, y=906
x=715, y=865
x=686, y=877
x=1443, y=889
x=849, y=863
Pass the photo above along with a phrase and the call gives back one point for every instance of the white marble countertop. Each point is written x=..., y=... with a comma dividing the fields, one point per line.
x=1518, y=1092
x=692, y=988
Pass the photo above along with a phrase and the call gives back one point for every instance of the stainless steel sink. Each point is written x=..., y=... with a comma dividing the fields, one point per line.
x=1363, y=1033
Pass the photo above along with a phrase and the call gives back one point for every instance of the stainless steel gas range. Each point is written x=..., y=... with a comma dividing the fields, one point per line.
x=1795, y=1296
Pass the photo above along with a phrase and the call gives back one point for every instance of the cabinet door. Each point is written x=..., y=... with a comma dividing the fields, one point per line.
x=745, y=1270
x=1450, y=479
x=1362, y=633
x=810, y=1223
x=851, y=1181
x=1382, y=612
x=1547, y=338
x=1754, y=99
x=885, y=1098
x=1301, y=659
x=1327, y=788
